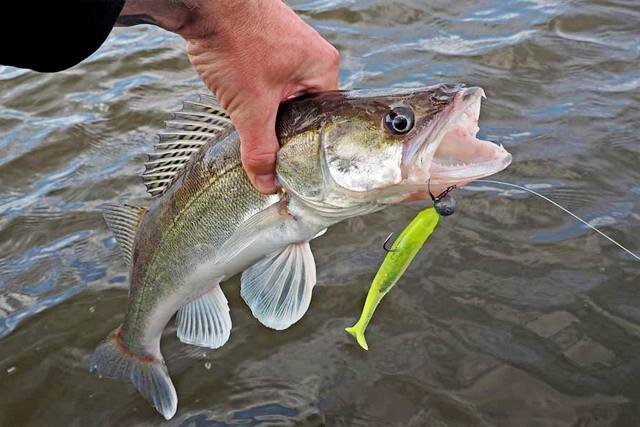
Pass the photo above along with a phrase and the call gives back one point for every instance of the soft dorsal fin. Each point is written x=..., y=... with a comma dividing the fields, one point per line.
x=123, y=221
x=199, y=122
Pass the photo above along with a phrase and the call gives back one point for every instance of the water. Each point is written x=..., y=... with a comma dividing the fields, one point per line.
x=514, y=314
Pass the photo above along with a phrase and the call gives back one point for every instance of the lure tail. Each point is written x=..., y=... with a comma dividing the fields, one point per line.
x=112, y=359
x=357, y=331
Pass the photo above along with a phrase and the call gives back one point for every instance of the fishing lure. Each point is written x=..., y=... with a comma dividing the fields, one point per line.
x=413, y=237
x=444, y=204
x=398, y=258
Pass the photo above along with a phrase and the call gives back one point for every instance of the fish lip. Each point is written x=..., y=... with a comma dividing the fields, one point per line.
x=421, y=159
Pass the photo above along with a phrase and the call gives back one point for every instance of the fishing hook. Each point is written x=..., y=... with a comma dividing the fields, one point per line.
x=384, y=245
x=435, y=199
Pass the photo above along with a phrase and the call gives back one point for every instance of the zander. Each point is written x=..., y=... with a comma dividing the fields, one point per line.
x=342, y=154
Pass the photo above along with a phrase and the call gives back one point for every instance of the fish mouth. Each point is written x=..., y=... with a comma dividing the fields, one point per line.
x=447, y=152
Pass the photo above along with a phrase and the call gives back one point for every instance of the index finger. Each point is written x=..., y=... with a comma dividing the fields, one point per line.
x=258, y=147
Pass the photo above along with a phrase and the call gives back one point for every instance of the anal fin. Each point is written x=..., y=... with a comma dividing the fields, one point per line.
x=278, y=288
x=205, y=321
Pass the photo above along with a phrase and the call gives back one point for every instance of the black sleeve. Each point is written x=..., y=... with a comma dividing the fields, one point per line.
x=53, y=35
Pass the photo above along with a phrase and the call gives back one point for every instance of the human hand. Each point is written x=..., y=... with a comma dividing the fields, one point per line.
x=257, y=54
x=252, y=54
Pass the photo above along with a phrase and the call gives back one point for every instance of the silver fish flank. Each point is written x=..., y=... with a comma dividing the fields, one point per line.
x=342, y=154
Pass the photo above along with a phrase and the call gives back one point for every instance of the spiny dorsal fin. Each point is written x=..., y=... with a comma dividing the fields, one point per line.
x=123, y=221
x=198, y=123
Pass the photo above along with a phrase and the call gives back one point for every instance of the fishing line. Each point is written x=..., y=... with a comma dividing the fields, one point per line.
x=564, y=209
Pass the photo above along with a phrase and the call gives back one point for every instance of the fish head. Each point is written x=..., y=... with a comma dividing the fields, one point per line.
x=442, y=149
x=368, y=146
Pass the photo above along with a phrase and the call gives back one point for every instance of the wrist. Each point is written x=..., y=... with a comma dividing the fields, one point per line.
x=226, y=19
x=203, y=19
x=171, y=15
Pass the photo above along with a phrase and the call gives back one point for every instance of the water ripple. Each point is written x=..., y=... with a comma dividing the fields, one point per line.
x=512, y=313
x=453, y=44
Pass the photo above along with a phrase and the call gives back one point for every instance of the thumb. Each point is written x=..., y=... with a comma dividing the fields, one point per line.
x=258, y=148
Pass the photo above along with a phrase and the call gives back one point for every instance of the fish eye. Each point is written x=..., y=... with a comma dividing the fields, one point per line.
x=399, y=120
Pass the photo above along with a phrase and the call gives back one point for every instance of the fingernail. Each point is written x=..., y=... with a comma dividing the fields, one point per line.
x=265, y=182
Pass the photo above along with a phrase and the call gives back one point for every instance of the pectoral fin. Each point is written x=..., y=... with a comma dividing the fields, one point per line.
x=278, y=287
x=205, y=321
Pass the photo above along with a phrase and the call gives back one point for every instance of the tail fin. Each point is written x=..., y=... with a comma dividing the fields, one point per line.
x=112, y=359
x=357, y=331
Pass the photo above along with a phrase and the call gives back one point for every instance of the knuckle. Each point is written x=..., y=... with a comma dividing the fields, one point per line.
x=334, y=57
x=258, y=158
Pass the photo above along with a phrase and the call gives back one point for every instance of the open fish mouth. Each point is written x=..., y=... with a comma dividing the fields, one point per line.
x=448, y=150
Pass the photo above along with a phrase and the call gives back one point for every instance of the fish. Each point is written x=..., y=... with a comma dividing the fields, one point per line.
x=398, y=259
x=342, y=154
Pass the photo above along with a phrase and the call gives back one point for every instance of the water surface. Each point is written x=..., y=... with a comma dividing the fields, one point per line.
x=514, y=314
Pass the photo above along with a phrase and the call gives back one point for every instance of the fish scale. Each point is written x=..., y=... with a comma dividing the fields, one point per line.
x=339, y=157
x=207, y=186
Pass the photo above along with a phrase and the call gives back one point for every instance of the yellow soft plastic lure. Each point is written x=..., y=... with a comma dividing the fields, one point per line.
x=398, y=259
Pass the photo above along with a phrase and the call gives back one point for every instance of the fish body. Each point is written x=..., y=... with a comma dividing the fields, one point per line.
x=178, y=237
x=342, y=154
x=398, y=259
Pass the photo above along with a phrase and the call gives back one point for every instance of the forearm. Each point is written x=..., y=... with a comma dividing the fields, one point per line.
x=251, y=54
x=193, y=19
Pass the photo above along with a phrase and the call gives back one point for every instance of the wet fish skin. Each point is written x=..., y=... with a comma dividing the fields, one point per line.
x=337, y=160
x=351, y=121
x=182, y=229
